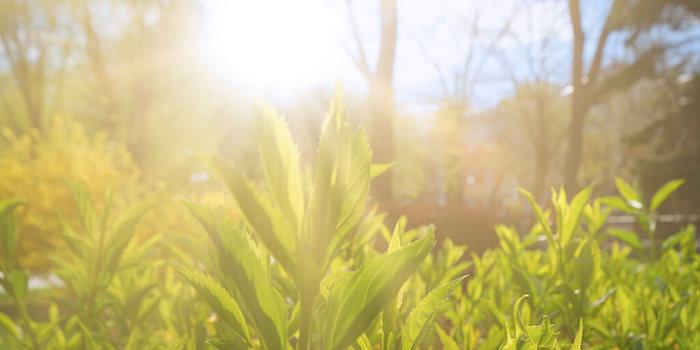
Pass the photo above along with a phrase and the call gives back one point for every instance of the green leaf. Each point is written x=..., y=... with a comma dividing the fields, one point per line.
x=8, y=326
x=123, y=230
x=266, y=219
x=364, y=343
x=280, y=160
x=628, y=192
x=135, y=300
x=340, y=186
x=19, y=280
x=220, y=300
x=627, y=236
x=241, y=263
x=399, y=229
x=576, y=345
x=541, y=215
x=543, y=336
x=78, y=245
x=447, y=342
x=586, y=263
x=618, y=203
x=664, y=192
x=86, y=208
x=520, y=326
x=357, y=300
x=420, y=319
x=377, y=169
x=8, y=226
x=573, y=215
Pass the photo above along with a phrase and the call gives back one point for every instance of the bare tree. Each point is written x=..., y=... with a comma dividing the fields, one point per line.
x=379, y=80
x=477, y=39
x=535, y=107
x=94, y=49
x=590, y=86
x=24, y=30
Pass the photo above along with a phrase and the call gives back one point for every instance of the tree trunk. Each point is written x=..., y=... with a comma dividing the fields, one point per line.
x=578, y=111
x=575, y=147
x=381, y=99
x=94, y=51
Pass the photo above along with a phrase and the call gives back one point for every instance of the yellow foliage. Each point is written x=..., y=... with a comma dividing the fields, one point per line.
x=35, y=167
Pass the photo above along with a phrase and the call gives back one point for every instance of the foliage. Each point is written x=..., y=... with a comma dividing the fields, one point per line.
x=302, y=263
x=35, y=167
x=631, y=292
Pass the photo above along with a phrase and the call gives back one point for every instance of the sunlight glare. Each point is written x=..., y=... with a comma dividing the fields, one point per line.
x=271, y=43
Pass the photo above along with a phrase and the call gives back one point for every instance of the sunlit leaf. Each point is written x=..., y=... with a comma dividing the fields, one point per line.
x=573, y=215
x=576, y=345
x=627, y=236
x=340, y=186
x=122, y=233
x=220, y=300
x=355, y=301
x=539, y=213
x=420, y=319
x=8, y=327
x=240, y=261
x=266, y=219
x=628, y=192
x=8, y=226
x=664, y=192
x=280, y=160
x=448, y=343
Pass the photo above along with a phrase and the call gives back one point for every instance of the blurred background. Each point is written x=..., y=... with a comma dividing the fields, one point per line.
x=470, y=99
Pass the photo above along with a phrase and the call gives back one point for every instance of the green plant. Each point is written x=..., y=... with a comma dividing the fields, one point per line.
x=282, y=272
x=13, y=279
x=301, y=263
x=631, y=202
x=572, y=273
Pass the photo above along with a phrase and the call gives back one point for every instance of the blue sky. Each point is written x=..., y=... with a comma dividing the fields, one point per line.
x=281, y=49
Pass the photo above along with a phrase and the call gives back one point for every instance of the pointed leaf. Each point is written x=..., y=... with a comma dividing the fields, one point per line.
x=419, y=320
x=85, y=206
x=123, y=231
x=377, y=169
x=447, y=342
x=341, y=184
x=664, y=192
x=541, y=215
x=8, y=226
x=267, y=220
x=240, y=261
x=355, y=301
x=627, y=236
x=280, y=160
x=576, y=345
x=8, y=326
x=573, y=215
x=628, y=192
x=220, y=300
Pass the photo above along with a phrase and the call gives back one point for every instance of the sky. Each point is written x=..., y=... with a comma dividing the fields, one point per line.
x=280, y=49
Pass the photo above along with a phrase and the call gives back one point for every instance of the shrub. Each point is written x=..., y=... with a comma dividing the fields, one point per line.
x=35, y=167
x=303, y=264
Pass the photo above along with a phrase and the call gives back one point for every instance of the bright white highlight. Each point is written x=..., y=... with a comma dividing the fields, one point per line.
x=278, y=44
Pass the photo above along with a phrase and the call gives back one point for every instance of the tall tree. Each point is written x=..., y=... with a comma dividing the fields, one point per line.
x=476, y=41
x=533, y=116
x=26, y=28
x=379, y=80
x=95, y=53
x=626, y=17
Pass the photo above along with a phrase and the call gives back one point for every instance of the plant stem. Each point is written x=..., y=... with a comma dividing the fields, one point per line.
x=27, y=320
x=307, y=310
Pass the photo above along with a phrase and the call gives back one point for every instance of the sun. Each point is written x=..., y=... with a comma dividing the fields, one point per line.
x=270, y=43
